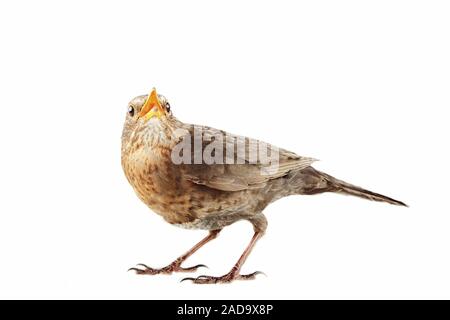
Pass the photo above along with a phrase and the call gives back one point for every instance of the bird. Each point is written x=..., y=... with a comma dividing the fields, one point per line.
x=166, y=162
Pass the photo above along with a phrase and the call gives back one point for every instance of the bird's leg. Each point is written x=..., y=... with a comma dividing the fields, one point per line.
x=234, y=272
x=176, y=265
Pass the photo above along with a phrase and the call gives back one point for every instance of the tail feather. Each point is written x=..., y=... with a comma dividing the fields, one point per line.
x=340, y=186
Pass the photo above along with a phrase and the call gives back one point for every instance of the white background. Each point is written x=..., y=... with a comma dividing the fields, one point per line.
x=362, y=86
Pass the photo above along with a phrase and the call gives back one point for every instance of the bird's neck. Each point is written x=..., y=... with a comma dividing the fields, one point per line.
x=156, y=133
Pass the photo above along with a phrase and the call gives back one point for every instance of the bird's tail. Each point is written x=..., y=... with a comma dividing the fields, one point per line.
x=335, y=185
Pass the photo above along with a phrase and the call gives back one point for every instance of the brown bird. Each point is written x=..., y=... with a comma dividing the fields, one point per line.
x=197, y=177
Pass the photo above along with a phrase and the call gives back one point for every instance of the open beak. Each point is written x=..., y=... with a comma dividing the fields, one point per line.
x=152, y=107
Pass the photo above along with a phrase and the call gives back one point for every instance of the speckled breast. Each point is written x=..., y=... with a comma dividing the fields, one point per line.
x=161, y=186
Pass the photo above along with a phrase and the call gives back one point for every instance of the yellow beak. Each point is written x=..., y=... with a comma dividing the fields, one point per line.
x=151, y=107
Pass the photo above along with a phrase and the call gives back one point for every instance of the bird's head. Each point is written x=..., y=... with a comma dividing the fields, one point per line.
x=148, y=116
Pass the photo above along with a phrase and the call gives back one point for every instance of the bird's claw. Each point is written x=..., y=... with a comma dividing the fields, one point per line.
x=193, y=269
x=229, y=277
x=148, y=270
x=174, y=267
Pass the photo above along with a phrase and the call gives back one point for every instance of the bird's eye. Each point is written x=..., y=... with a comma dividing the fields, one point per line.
x=131, y=111
x=168, y=107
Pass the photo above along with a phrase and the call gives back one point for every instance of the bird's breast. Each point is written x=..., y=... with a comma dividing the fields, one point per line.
x=159, y=184
x=163, y=187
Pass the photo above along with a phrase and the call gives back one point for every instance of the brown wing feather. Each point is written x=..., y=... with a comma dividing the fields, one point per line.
x=250, y=174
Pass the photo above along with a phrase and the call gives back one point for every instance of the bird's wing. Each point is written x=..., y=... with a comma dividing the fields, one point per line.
x=234, y=169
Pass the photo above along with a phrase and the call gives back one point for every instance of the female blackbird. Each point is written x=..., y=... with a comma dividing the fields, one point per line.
x=198, y=177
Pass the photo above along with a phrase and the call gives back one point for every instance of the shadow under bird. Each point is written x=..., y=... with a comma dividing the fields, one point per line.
x=211, y=196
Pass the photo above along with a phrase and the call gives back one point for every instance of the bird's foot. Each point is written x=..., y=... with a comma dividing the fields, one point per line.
x=227, y=278
x=173, y=267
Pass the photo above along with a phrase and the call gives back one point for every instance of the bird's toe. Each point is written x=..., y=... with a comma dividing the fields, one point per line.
x=227, y=278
